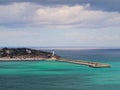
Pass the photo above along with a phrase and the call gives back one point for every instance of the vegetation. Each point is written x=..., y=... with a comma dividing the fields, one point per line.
x=24, y=53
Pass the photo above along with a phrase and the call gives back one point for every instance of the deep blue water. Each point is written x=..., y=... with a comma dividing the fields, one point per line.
x=52, y=75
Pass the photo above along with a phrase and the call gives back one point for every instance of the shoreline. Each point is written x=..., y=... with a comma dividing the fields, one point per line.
x=20, y=59
x=80, y=62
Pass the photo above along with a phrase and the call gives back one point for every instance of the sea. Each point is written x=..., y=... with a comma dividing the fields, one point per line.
x=54, y=75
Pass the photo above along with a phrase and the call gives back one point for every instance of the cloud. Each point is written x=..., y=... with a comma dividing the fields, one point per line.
x=20, y=38
x=107, y=5
x=78, y=16
x=101, y=38
x=79, y=36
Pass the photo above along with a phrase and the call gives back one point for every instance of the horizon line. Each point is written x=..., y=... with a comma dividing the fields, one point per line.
x=62, y=47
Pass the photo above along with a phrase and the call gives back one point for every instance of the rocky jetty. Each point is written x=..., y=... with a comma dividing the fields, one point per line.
x=83, y=62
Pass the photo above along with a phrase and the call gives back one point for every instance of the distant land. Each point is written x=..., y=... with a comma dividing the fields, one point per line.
x=33, y=54
x=24, y=54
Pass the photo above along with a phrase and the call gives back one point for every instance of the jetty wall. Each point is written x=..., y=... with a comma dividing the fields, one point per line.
x=82, y=62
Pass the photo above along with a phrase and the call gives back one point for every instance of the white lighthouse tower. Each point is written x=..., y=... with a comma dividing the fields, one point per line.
x=53, y=55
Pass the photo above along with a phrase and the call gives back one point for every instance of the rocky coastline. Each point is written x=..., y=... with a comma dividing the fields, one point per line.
x=24, y=54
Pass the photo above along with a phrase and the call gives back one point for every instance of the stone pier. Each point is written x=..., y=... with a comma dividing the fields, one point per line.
x=82, y=62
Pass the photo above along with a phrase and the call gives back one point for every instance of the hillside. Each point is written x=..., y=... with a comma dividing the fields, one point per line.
x=24, y=53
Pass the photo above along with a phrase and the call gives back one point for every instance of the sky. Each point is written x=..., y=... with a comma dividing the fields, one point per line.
x=60, y=23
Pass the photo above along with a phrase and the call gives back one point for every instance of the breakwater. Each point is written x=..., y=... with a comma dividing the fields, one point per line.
x=87, y=63
x=81, y=62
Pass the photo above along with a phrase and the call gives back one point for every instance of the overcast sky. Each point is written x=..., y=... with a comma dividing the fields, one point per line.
x=51, y=23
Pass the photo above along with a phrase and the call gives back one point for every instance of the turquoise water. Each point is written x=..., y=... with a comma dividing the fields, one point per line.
x=53, y=75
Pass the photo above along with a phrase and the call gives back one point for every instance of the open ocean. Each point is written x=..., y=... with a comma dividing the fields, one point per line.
x=53, y=75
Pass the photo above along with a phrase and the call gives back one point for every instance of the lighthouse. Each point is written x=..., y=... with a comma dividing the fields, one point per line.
x=53, y=57
x=53, y=53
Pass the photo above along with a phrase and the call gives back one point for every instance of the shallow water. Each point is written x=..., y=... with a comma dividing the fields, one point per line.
x=53, y=75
